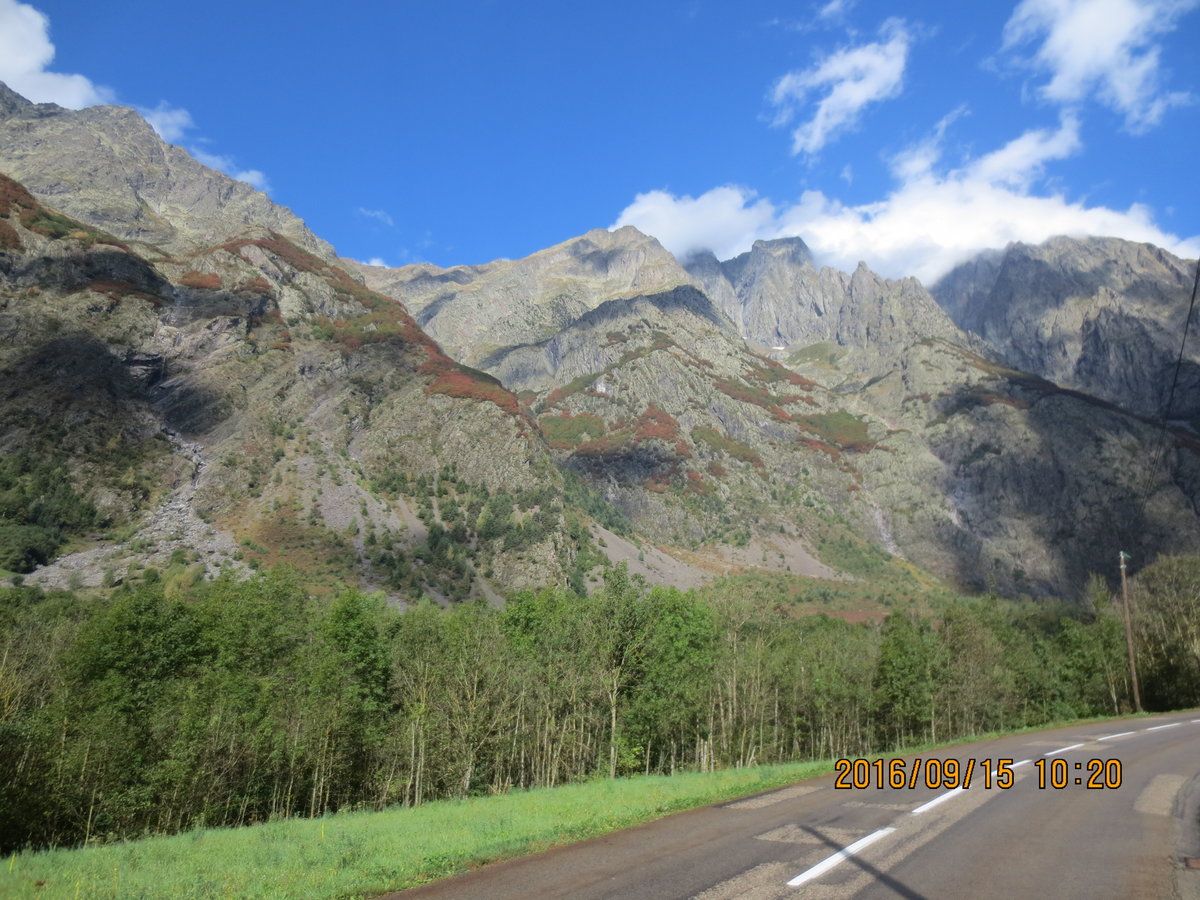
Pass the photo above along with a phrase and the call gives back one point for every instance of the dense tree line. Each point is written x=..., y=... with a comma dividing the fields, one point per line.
x=170, y=704
x=39, y=510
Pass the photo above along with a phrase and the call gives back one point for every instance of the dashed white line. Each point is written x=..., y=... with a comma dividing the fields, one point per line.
x=1062, y=750
x=936, y=800
x=862, y=843
x=845, y=853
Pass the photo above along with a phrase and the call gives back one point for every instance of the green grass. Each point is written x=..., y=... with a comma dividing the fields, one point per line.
x=572, y=430
x=843, y=430
x=367, y=853
x=823, y=353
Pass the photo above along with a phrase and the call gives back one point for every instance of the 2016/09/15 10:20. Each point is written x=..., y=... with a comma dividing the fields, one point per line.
x=933, y=774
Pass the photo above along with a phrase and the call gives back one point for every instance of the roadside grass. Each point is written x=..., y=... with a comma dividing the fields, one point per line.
x=368, y=853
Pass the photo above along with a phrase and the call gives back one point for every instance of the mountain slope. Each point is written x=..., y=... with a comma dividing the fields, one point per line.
x=1101, y=315
x=886, y=426
x=105, y=166
x=251, y=403
x=779, y=298
x=475, y=311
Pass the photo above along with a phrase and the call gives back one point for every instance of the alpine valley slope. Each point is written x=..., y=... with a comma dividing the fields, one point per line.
x=810, y=402
x=1101, y=315
x=221, y=389
x=222, y=392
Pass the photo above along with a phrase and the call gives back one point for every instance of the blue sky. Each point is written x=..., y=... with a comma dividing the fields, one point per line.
x=459, y=132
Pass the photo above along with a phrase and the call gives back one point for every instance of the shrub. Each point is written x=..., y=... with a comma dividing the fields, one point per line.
x=727, y=445
x=206, y=281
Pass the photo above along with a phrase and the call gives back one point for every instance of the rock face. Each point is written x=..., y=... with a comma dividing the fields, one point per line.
x=885, y=420
x=253, y=403
x=779, y=299
x=106, y=167
x=1101, y=315
x=475, y=311
x=227, y=394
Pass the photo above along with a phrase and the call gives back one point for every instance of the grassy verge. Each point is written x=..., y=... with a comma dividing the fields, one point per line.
x=367, y=853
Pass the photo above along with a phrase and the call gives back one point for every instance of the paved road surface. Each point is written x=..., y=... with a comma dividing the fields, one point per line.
x=1020, y=842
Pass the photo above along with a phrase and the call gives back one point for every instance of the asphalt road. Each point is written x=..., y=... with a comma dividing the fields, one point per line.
x=1018, y=842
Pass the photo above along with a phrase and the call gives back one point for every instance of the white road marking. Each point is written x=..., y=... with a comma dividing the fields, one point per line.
x=1161, y=727
x=936, y=800
x=1062, y=750
x=1111, y=737
x=845, y=853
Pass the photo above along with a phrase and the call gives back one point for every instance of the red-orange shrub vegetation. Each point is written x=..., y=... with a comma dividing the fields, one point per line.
x=821, y=447
x=257, y=285
x=9, y=239
x=205, y=281
x=455, y=380
x=656, y=424
x=696, y=483
x=118, y=290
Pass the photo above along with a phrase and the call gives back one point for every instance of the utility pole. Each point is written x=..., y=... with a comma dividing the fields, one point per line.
x=1133, y=679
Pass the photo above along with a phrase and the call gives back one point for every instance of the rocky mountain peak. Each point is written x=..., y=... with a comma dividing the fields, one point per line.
x=476, y=312
x=12, y=103
x=790, y=249
x=1098, y=314
x=105, y=166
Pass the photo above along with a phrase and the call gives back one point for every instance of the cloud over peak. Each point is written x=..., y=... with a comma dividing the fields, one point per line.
x=171, y=123
x=932, y=220
x=25, y=53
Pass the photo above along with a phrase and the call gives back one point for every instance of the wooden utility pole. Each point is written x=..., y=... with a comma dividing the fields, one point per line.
x=1133, y=679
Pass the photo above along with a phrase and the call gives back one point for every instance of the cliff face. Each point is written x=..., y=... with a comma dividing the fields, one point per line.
x=106, y=167
x=1101, y=315
x=798, y=400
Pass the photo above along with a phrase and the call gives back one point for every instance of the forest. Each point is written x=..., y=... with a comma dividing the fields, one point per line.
x=173, y=702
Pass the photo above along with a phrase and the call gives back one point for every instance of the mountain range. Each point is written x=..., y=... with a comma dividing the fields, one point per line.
x=218, y=387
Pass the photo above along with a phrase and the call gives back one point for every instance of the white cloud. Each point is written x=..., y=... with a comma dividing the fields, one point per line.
x=170, y=122
x=834, y=10
x=255, y=178
x=379, y=215
x=377, y=261
x=929, y=223
x=725, y=220
x=226, y=164
x=851, y=79
x=25, y=53
x=1106, y=48
x=1022, y=160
